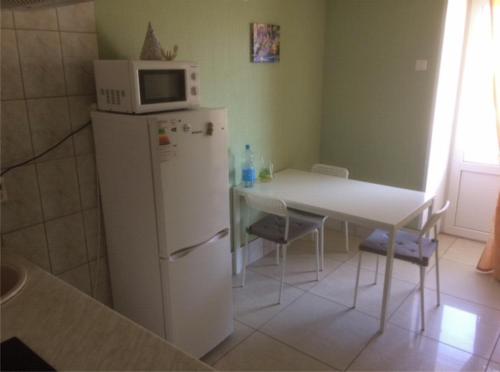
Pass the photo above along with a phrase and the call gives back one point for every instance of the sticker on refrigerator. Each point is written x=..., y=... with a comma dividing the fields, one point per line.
x=166, y=142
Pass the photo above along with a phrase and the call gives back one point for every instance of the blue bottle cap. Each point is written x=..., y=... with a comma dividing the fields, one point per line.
x=247, y=147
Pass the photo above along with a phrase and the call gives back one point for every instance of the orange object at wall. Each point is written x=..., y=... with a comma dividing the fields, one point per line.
x=490, y=259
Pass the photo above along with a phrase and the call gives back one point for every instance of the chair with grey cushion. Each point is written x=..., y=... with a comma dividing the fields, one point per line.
x=279, y=226
x=416, y=248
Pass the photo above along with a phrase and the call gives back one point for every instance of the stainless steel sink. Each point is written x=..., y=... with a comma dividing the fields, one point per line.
x=13, y=277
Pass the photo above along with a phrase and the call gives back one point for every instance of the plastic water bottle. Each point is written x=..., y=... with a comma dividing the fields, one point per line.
x=249, y=173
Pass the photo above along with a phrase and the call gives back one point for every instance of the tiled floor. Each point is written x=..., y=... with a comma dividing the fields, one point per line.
x=315, y=327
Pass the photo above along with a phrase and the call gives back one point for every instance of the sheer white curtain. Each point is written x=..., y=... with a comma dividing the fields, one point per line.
x=495, y=22
x=477, y=115
x=489, y=31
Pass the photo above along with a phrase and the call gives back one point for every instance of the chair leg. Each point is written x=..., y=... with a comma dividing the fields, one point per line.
x=422, y=304
x=438, y=286
x=357, y=280
x=245, y=260
x=283, y=269
x=277, y=254
x=376, y=270
x=317, y=238
x=322, y=245
x=346, y=227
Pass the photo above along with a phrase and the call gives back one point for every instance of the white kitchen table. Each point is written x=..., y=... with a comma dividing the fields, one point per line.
x=363, y=203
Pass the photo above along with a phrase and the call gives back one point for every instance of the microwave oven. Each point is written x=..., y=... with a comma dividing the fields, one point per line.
x=138, y=87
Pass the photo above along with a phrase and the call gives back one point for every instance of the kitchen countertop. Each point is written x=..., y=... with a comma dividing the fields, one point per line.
x=72, y=331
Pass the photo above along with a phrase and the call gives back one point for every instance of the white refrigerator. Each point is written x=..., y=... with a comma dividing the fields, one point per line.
x=165, y=192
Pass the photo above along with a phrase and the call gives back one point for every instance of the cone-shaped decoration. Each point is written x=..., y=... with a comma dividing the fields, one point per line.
x=151, y=49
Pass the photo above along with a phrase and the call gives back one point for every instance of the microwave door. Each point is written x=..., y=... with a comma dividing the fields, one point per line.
x=165, y=88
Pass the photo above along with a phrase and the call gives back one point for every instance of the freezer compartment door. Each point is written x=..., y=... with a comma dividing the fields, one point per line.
x=198, y=296
x=192, y=157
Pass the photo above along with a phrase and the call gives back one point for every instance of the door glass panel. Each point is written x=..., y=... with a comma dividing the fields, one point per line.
x=477, y=117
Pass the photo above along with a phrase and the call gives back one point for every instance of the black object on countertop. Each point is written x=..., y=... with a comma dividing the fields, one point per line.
x=16, y=356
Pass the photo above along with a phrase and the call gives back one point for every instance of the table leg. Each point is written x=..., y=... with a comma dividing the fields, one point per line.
x=236, y=228
x=387, y=279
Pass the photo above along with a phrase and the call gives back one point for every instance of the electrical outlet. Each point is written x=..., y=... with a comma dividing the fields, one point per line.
x=421, y=65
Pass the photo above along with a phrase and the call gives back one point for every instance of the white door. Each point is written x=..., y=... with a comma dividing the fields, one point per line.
x=190, y=157
x=474, y=182
x=194, y=181
x=198, y=296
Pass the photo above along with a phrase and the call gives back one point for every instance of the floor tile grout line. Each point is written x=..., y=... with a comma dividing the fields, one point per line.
x=381, y=272
x=377, y=334
x=415, y=286
x=234, y=346
x=411, y=293
x=312, y=294
x=459, y=262
x=421, y=334
x=284, y=307
x=291, y=284
x=303, y=352
x=497, y=345
x=309, y=291
x=348, y=307
x=449, y=246
x=391, y=315
x=260, y=329
x=462, y=298
x=416, y=333
x=489, y=307
x=466, y=299
x=406, y=281
x=249, y=267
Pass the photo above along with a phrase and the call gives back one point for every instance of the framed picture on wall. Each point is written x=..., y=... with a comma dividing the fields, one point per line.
x=265, y=43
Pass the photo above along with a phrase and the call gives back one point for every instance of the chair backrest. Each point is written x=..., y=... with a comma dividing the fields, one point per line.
x=433, y=220
x=276, y=207
x=330, y=170
x=272, y=206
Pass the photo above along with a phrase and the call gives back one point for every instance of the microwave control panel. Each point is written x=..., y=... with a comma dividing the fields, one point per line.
x=112, y=86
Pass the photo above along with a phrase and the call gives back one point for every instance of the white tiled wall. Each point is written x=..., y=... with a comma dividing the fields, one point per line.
x=47, y=87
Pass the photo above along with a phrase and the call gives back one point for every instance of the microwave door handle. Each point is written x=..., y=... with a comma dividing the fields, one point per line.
x=185, y=251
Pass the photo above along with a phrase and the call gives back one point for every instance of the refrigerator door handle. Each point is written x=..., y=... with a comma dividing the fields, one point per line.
x=185, y=251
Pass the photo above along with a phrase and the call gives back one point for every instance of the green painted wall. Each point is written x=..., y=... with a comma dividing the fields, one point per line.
x=277, y=108
x=377, y=108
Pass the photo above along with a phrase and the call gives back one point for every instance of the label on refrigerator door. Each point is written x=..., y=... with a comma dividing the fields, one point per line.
x=167, y=143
